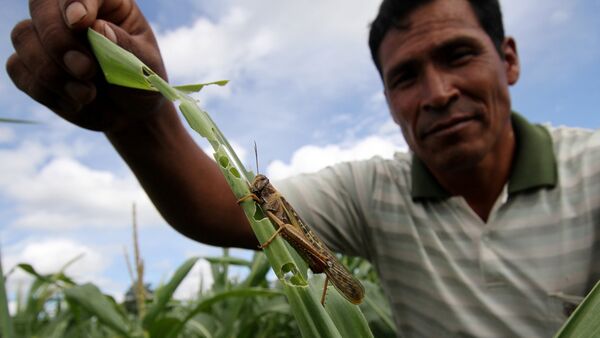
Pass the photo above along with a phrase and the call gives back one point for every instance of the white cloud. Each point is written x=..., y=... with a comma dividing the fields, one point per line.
x=208, y=51
x=266, y=44
x=50, y=255
x=6, y=134
x=311, y=158
x=54, y=191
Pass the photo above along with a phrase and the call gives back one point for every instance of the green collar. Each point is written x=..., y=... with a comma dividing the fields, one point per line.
x=534, y=164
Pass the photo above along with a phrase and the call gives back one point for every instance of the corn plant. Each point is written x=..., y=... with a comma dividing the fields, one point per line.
x=6, y=324
x=123, y=68
x=7, y=120
x=584, y=321
x=56, y=306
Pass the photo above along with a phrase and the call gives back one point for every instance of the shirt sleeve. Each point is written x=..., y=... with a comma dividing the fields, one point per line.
x=334, y=202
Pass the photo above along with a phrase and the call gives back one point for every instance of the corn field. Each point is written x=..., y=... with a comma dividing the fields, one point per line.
x=56, y=306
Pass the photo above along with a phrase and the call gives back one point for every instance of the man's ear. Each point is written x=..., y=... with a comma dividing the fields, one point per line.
x=511, y=60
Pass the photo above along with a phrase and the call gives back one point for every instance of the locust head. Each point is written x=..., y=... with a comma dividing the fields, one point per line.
x=259, y=183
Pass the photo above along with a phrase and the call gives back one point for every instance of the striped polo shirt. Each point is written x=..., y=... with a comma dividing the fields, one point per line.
x=446, y=272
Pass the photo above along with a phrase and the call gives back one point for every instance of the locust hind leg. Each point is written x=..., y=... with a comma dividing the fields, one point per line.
x=268, y=241
x=281, y=226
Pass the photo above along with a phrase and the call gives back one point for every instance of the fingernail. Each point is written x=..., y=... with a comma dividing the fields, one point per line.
x=79, y=64
x=110, y=33
x=79, y=92
x=75, y=12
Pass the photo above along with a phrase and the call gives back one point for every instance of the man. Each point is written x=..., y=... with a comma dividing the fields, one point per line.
x=487, y=229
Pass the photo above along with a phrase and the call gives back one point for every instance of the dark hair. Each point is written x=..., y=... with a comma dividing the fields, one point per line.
x=392, y=14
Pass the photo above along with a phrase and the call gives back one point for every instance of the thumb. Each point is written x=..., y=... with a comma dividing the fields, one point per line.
x=80, y=14
x=110, y=31
x=143, y=46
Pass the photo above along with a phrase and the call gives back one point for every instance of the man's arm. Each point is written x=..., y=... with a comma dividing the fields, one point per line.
x=53, y=64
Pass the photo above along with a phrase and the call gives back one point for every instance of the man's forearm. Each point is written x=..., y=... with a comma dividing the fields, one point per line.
x=185, y=185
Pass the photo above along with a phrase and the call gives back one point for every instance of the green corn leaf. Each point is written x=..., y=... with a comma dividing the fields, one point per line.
x=287, y=265
x=89, y=297
x=194, y=88
x=313, y=320
x=378, y=308
x=31, y=270
x=203, y=325
x=19, y=121
x=348, y=319
x=122, y=68
x=165, y=293
x=119, y=66
x=199, y=329
x=584, y=321
x=6, y=323
x=228, y=260
x=207, y=303
x=57, y=327
x=163, y=326
x=50, y=279
x=258, y=270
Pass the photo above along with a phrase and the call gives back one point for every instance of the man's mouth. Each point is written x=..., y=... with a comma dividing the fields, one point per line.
x=448, y=126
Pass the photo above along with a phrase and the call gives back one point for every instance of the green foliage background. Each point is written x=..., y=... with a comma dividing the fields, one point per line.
x=252, y=306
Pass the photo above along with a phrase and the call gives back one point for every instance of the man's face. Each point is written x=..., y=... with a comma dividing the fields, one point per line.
x=447, y=86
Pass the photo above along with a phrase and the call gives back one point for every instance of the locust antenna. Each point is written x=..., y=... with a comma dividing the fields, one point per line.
x=256, y=157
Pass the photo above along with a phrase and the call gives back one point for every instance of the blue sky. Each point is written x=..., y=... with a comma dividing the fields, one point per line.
x=302, y=86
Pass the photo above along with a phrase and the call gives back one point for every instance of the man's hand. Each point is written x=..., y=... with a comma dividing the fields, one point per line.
x=54, y=65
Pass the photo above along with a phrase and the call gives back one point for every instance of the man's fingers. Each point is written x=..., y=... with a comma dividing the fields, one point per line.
x=57, y=39
x=42, y=70
x=26, y=81
x=38, y=75
x=31, y=56
x=80, y=14
x=55, y=66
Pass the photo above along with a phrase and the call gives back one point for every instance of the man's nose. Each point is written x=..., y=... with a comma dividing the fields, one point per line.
x=438, y=90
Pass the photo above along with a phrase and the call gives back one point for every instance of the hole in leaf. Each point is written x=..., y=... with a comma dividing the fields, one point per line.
x=288, y=276
x=291, y=275
x=146, y=71
x=258, y=214
x=234, y=172
x=224, y=161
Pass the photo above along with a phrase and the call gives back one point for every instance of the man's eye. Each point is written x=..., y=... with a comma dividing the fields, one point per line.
x=461, y=55
x=403, y=79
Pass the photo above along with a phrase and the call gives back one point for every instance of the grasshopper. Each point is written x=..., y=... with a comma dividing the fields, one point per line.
x=300, y=236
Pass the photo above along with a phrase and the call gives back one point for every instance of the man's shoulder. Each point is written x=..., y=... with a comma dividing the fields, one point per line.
x=400, y=162
x=575, y=145
x=564, y=131
x=362, y=172
x=567, y=136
